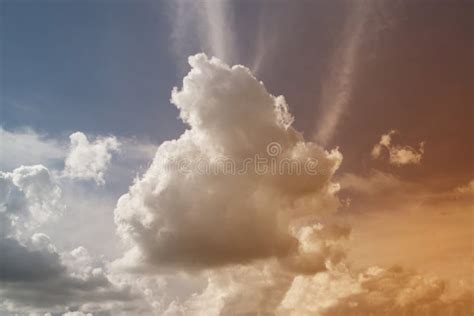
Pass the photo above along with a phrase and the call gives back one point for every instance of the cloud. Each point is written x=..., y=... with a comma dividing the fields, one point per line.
x=43, y=280
x=381, y=190
x=430, y=223
x=385, y=191
x=338, y=88
x=374, y=292
x=89, y=161
x=209, y=26
x=77, y=314
x=20, y=264
x=214, y=243
x=398, y=155
x=27, y=147
x=467, y=189
x=34, y=275
x=206, y=26
x=241, y=290
x=265, y=288
x=318, y=244
x=29, y=196
x=199, y=220
x=259, y=243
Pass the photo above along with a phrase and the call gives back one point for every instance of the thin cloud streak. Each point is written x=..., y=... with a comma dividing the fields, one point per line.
x=220, y=37
x=202, y=25
x=338, y=88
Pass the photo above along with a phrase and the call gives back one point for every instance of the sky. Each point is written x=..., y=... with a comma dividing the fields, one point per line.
x=131, y=134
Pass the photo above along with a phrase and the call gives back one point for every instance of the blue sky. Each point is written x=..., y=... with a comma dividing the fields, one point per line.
x=99, y=67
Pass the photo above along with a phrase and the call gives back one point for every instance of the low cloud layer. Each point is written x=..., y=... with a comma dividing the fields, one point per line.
x=397, y=155
x=268, y=290
x=34, y=275
x=37, y=278
x=373, y=292
x=89, y=160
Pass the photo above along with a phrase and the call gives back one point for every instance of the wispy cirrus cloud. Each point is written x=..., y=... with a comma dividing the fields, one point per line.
x=204, y=26
x=337, y=88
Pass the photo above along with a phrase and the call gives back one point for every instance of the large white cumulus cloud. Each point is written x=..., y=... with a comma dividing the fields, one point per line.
x=203, y=219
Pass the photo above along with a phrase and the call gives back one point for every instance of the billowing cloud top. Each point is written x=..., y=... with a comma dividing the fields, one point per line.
x=29, y=196
x=203, y=219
